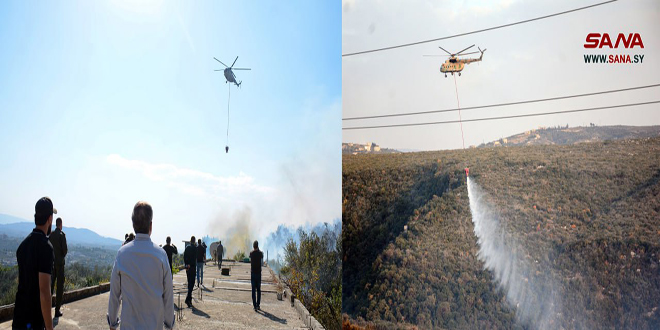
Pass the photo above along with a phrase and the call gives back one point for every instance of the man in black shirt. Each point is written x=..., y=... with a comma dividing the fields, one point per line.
x=58, y=240
x=190, y=260
x=170, y=249
x=256, y=258
x=35, y=263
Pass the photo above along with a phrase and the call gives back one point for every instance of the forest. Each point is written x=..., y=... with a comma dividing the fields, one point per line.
x=86, y=266
x=78, y=275
x=312, y=269
x=586, y=216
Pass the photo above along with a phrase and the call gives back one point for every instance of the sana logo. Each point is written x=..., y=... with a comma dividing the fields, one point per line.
x=603, y=40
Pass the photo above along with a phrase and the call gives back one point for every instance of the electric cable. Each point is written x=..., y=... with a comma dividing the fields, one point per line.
x=504, y=117
x=476, y=31
x=502, y=104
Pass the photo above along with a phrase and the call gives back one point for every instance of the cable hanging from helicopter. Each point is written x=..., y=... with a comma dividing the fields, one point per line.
x=230, y=78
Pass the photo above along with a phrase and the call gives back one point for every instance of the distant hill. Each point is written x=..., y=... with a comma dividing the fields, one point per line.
x=6, y=218
x=20, y=228
x=573, y=135
x=584, y=215
x=367, y=148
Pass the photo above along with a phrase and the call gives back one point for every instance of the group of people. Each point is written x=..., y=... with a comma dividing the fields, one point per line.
x=141, y=279
x=194, y=258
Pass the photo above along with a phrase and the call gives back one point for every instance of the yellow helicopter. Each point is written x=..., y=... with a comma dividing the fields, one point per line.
x=454, y=64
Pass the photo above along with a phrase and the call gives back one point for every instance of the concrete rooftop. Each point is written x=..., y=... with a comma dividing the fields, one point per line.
x=226, y=303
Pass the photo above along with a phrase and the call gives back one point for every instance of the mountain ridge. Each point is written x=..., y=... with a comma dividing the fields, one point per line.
x=74, y=235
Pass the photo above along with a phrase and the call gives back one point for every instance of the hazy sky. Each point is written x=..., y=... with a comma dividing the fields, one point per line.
x=103, y=104
x=535, y=60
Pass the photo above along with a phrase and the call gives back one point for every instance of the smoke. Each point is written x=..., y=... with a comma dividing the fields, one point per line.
x=528, y=288
x=277, y=240
x=304, y=187
x=236, y=231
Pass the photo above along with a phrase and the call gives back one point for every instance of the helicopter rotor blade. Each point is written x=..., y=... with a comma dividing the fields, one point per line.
x=220, y=62
x=464, y=50
x=219, y=70
x=435, y=55
x=240, y=69
x=450, y=54
x=232, y=65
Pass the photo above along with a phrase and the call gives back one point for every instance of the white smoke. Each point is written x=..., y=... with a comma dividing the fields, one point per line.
x=527, y=289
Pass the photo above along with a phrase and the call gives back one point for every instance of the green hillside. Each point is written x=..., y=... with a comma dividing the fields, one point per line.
x=586, y=216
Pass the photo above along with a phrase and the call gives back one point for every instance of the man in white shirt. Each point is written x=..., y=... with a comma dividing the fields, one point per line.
x=141, y=279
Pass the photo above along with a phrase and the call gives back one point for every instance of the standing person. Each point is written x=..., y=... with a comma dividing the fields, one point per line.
x=256, y=259
x=201, y=260
x=35, y=263
x=170, y=250
x=190, y=260
x=219, y=254
x=139, y=280
x=58, y=240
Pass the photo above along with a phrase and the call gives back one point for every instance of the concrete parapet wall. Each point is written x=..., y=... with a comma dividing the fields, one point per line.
x=7, y=311
x=309, y=320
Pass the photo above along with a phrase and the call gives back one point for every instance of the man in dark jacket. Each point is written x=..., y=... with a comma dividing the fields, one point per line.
x=170, y=249
x=220, y=252
x=35, y=264
x=58, y=239
x=201, y=259
x=256, y=258
x=190, y=260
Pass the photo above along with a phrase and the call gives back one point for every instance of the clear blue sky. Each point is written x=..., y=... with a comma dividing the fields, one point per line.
x=103, y=104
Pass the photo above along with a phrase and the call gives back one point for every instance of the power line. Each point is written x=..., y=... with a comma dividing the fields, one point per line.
x=501, y=104
x=476, y=31
x=504, y=117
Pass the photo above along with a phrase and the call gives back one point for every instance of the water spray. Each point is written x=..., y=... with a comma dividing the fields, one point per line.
x=532, y=295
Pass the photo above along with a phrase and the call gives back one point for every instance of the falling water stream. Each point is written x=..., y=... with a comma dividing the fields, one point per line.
x=533, y=297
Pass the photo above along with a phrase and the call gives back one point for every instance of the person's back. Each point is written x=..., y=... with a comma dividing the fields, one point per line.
x=58, y=240
x=256, y=258
x=141, y=278
x=33, y=257
x=35, y=263
x=201, y=260
x=220, y=253
x=190, y=262
x=190, y=255
x=201, y=252
x=170, y=249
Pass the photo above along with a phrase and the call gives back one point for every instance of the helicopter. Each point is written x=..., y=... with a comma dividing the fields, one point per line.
x=454, y=64
x=229, y=74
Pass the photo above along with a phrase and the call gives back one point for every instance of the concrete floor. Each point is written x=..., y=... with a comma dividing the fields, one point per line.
x=226, y=303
